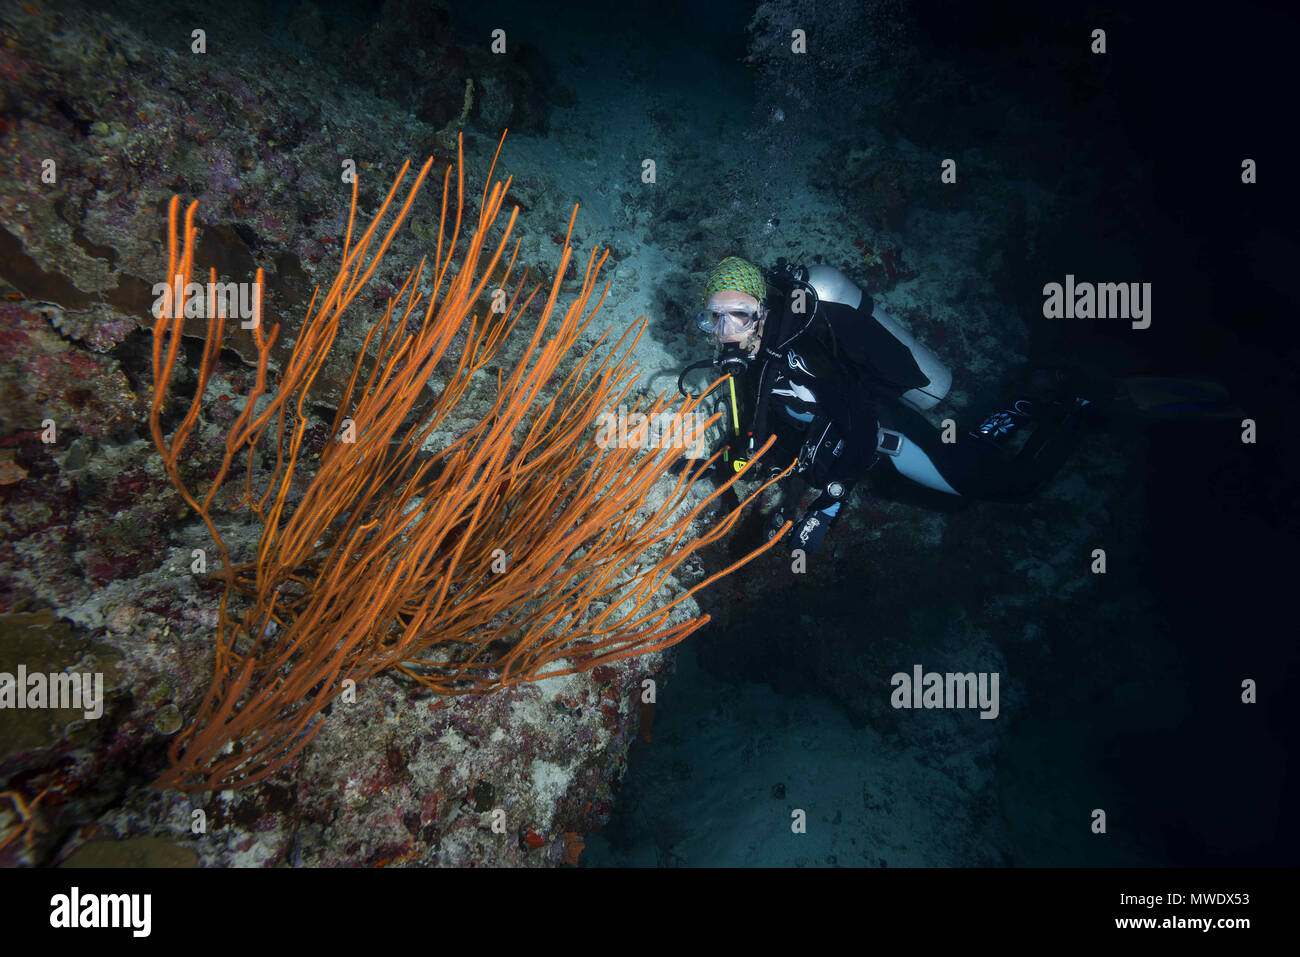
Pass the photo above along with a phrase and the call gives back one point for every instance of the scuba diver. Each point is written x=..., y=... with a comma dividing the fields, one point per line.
x=815, y=362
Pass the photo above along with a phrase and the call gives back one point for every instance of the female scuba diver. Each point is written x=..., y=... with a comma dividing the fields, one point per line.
x=841, y=385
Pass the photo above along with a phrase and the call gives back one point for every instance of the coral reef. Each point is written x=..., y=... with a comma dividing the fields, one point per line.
x=96, y=535
x=523, y=505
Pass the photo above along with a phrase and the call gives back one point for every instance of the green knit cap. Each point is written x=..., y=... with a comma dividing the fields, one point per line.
x=738, y=274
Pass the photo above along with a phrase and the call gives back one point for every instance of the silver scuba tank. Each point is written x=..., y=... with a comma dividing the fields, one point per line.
x=832, y=285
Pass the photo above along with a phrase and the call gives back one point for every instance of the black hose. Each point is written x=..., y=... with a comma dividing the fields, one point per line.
x=681, y=379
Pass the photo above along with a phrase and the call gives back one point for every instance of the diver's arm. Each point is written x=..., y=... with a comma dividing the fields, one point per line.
x=809, y=533
x=842, y=460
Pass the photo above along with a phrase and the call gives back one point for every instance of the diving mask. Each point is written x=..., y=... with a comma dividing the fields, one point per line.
x=729, y=315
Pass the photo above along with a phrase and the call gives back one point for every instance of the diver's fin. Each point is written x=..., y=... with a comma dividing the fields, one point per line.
x=1169, y=398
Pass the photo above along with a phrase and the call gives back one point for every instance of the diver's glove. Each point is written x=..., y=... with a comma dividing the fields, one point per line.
x=810, y=533
x=777, y=502
x=776, y=520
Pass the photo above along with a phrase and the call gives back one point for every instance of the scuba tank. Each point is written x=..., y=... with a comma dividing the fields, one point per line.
x=873, y=340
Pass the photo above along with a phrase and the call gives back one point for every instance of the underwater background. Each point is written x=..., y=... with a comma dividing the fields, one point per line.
x=1120, y=691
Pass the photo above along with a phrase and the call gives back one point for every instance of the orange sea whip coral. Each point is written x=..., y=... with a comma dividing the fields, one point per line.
x=520, y=550
x=26, y=824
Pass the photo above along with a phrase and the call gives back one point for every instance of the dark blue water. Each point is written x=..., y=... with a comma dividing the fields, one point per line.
x=1128, y=698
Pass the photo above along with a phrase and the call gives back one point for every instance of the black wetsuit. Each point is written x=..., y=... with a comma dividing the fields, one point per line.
x=829, y=387
x=821, y=409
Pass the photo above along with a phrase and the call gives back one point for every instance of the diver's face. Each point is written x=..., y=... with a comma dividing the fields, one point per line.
x=734, y=317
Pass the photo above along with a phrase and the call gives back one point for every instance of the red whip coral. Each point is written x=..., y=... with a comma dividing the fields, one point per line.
x=519, y=550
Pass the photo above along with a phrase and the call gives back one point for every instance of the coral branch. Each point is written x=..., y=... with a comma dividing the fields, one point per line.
x=392, y=559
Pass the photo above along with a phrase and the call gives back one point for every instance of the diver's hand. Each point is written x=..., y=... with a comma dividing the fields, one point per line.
x=775, y=522
x=810, y=533
x=776, y=503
